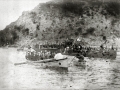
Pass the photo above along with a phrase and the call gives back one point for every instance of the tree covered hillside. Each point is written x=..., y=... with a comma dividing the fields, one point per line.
x=89, y=20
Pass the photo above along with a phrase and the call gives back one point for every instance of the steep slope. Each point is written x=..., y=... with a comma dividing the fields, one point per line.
x=89, y=20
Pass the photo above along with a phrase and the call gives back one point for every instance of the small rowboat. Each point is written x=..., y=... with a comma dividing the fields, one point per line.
x=47, y=60
x=65, y=62
x=50, y=62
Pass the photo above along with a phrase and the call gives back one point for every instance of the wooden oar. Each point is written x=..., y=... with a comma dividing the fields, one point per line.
x=20, y=63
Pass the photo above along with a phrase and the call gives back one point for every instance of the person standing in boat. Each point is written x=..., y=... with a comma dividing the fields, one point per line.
x=30, y=49
x=66, y=50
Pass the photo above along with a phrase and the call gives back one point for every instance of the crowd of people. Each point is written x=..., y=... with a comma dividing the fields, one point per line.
x=34, y=56
x=65, y=49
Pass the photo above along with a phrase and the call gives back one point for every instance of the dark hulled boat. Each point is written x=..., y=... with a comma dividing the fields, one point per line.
x=48, y=51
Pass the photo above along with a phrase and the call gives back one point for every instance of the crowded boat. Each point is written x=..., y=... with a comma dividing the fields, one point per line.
x=47, y=51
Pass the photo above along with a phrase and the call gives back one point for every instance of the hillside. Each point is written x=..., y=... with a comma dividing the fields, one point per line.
x=92, y=21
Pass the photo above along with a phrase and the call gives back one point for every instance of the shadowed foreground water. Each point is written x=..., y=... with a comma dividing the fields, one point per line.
x=96, y=74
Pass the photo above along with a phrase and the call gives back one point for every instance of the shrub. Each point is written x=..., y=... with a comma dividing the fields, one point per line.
x=76, y=33
x=113, y=8
x=90, y=30
x=104, y=38
x=79, y=30
x=75, y=8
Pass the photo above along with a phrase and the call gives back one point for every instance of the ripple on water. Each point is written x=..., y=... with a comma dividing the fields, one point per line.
x=96, y=74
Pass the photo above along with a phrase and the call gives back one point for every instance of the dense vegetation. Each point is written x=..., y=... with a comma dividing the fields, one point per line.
x=65, y=19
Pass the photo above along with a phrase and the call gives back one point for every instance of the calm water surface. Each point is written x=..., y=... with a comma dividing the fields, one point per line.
x=96, y=74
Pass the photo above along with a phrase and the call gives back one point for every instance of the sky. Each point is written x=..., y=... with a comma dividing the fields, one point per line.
x=10, y=10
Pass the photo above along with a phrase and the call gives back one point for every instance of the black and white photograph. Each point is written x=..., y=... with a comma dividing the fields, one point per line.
x=59, y=44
